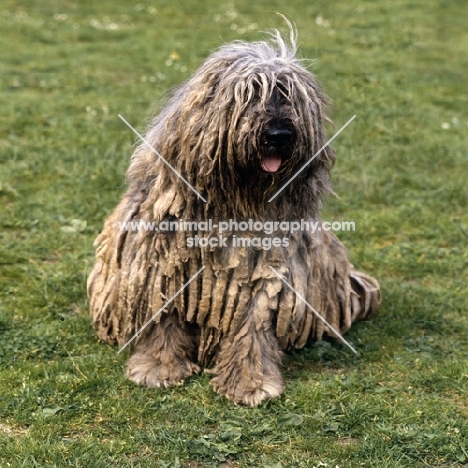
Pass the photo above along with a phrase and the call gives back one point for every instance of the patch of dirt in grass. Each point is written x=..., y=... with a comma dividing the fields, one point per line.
x=15, y=430
x=348, y=441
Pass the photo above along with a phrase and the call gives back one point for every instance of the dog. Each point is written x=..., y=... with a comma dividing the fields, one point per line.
x=224, y=147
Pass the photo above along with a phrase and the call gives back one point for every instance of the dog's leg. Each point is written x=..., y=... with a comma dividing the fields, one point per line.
x=166, y=356
x=350, y=294
x=247, y=367
x=365, y=295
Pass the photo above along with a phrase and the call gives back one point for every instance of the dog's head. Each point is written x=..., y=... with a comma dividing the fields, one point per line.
x=248, y=119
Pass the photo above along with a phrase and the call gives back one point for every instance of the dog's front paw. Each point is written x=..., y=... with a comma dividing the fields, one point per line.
x=145, y=369
x=248, y=391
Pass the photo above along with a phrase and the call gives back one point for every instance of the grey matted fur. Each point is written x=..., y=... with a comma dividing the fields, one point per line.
x=243, y=124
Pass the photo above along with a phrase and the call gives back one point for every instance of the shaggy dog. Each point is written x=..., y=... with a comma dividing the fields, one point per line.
x=244, y=124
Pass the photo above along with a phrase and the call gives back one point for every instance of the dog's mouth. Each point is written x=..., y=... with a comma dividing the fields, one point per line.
x=276, y=143
x=271, y=162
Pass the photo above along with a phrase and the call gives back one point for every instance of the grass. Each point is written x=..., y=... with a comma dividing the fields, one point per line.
x=67, y=69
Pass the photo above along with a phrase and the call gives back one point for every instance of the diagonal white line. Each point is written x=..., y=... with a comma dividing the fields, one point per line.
x=312, y=158
x=162, y=159
x=161, y=309
x=311, y=308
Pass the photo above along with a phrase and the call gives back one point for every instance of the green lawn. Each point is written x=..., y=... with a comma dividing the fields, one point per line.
x=68, y=68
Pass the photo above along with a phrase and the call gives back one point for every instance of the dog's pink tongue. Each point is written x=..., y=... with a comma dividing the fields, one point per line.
x=271, y=163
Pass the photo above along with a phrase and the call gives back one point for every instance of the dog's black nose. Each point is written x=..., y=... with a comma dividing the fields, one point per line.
x=278, y=137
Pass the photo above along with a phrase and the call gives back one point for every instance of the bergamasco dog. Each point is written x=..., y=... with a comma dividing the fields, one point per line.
x=247, y=122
